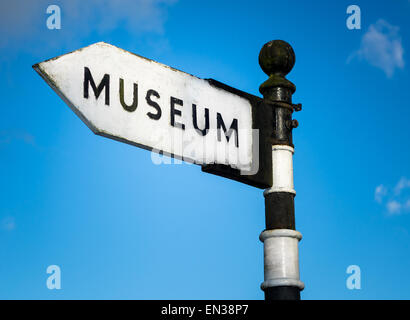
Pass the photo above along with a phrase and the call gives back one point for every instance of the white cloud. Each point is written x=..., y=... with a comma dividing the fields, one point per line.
x=381, y=46
x=23, y=22
x=398, y=201
x=379, y=193
x=402, y=184
x=393, y=207
x=106, y=15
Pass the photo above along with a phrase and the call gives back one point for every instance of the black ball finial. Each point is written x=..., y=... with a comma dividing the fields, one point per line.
x=277, y=58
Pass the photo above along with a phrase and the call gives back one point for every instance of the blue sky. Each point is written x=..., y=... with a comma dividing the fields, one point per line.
x=120, y=227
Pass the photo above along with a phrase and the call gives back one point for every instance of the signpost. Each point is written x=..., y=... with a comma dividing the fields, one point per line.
x=228, y=132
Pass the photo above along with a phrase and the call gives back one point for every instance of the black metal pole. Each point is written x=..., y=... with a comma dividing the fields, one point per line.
x=280, y=238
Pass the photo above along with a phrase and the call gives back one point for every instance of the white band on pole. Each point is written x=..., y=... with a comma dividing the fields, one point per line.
x=282, y=170
x=281, y=258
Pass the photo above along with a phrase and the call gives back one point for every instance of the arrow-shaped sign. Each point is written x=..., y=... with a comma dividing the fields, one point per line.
x=129, y=98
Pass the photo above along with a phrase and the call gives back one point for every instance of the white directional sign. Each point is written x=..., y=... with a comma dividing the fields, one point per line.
x=129, y=98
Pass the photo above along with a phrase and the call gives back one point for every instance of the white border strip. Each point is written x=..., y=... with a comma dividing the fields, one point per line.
x=266, y=234
x=282, y=170
x=281, y=258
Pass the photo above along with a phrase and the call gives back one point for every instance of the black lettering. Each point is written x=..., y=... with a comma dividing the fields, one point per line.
x=234, y=127
x=153, y=104
x=195, y=122
x=176, y=112
x=134, y=105
x=105, y=83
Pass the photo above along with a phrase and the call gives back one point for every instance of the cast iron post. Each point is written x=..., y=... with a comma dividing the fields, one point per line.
x=280, y=238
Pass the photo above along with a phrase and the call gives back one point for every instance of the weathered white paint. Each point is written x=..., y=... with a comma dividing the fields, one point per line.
x=281, y=253
x=281, y=258
x=282, y=169
x=65, y=74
